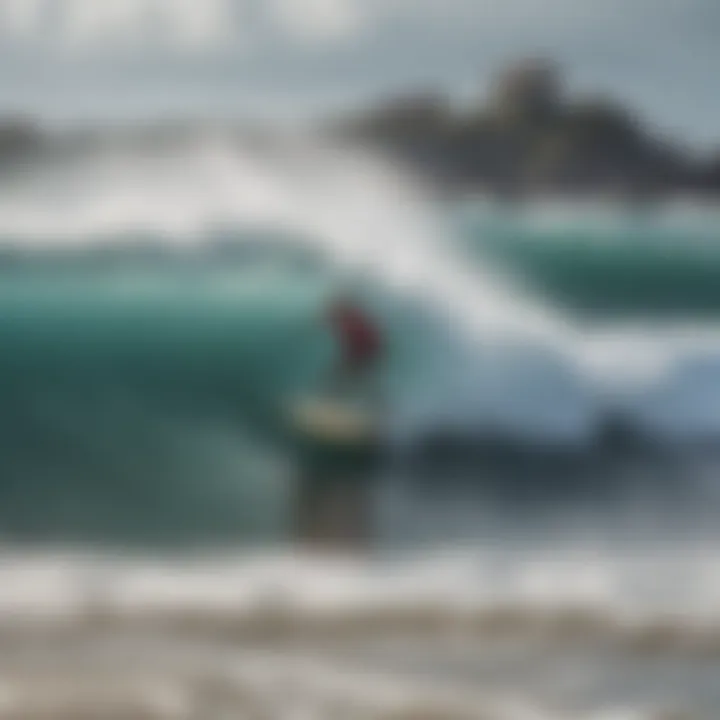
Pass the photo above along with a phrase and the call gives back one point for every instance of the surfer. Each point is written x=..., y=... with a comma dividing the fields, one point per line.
x=340, y=437
x=360, y=341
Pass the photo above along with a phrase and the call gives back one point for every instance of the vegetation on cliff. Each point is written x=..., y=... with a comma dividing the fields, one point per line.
x=530, y=137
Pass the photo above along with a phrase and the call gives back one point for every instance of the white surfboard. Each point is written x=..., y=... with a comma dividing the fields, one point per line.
x=334, y=421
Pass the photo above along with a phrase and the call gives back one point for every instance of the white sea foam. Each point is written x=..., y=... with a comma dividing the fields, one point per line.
x=497, y=634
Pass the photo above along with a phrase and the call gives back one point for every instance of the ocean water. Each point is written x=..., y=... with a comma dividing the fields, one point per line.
x=544, y=539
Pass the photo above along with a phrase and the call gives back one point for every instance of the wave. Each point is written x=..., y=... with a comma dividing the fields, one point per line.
x=133, y=379
x=607, y=262
x=493, y=354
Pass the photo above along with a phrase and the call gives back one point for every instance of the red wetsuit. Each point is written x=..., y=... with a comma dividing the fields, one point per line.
x=360, y=340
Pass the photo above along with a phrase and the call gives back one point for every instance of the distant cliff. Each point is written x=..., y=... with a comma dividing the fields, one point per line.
x=530, y=138
x=20, y=138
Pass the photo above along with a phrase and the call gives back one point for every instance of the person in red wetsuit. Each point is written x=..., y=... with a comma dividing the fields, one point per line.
x=359, y=338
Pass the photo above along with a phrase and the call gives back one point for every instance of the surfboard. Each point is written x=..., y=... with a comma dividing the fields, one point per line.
x=334, y=422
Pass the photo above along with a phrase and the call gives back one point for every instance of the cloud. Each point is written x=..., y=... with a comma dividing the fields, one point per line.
x=190, y=24
x=112, y=24
x=102, y=25
x=83, y=22
x=19, y=19
x=318, y=20
x=201, y=24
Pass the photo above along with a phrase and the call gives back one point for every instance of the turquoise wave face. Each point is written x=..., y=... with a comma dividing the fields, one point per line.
x=148, y=402
x=143, y=394
x=144, y=380
x=618, y=266
x=145, y=405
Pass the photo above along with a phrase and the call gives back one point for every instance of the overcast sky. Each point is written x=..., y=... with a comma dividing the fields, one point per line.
x=84, y=59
